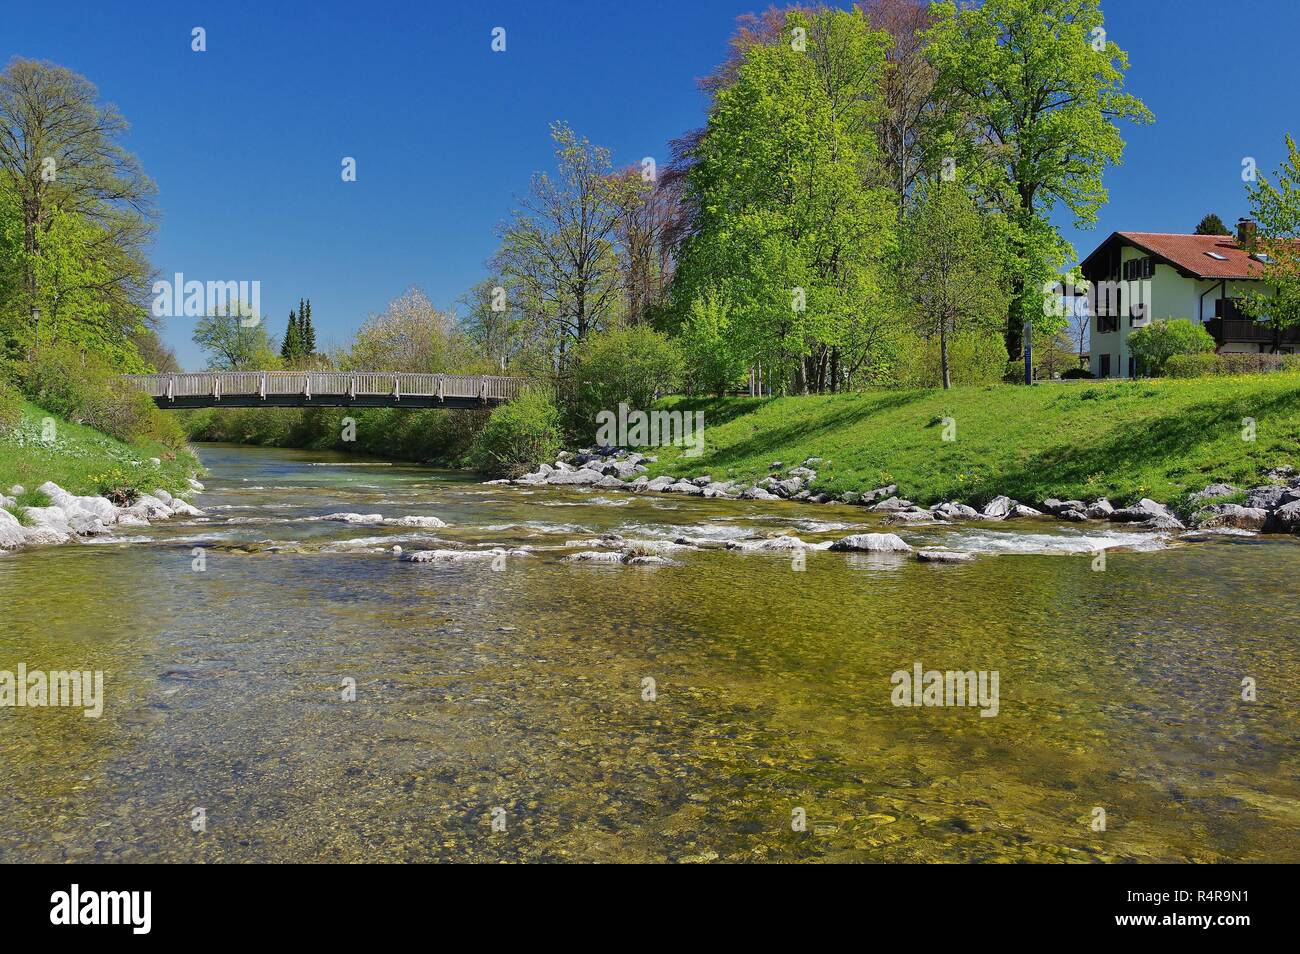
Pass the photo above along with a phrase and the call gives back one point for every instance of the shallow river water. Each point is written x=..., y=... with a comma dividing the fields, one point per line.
x=523, y=694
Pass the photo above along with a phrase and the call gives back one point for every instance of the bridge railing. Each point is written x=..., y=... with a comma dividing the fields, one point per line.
x=216, y=384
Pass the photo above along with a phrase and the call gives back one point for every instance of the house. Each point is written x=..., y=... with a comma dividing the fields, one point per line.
x=1135, y=277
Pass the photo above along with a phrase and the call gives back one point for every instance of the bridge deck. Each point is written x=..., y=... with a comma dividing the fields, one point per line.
x=326, y=389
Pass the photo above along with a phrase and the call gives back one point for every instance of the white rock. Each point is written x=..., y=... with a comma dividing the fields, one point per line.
x=184, y=509
x=353, y=517
x=44, y=536
x=149, y=508
x=11, y=531
x=162, y=495
x=427, y=522
x=872, y=543
x=595, y=556
x=195, y=485
x=778, y=543
x=943, y=556
x=1020, y=510
x=460, y=556
x=998, y=507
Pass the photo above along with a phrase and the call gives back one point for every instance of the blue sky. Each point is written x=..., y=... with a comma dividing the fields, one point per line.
x=246, y=139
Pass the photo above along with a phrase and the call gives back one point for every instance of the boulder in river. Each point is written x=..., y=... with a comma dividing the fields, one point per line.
x=892, y=503
x=1099, y=509
x=787, y=488
x=11, y=531
x=943, y=556
x=1285, y=519
x=413, y=521
x=577, y=477
x=1233, y=516
x=872, y=543
x=338, y=517
x=998, y=507
x=1021, y=510
x=595, y=556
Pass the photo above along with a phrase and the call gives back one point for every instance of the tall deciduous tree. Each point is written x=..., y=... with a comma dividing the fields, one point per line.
x=912, y=108
x=952, y=267
x=558, y=250
x=411, y=334
x=788, y=235
x=1037, y=87
x=1275, y=206
x=233, y=345
x=79, y=196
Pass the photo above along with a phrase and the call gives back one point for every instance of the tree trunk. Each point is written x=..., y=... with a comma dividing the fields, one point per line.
x=943, y=354
x=1014, y=333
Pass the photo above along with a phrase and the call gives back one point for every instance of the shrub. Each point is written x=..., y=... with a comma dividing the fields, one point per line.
x=635, y=366
x=1154, y=344
x=85, y=390
x=973, y=359
x=712, y=364
x=518, y=436
x=1205, y=365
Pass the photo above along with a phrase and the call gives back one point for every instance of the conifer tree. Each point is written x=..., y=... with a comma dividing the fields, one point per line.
x=307, y=331
x=291, y=349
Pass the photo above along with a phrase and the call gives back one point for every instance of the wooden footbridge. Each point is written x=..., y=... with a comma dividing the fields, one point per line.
x=326, y=389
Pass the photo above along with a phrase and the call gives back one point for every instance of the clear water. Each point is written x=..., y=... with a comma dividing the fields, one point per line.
x=522, y=689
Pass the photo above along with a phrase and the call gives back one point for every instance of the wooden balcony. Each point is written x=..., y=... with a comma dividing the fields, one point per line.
x=1223, y=330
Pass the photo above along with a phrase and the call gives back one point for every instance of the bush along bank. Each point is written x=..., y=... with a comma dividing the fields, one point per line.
x=1270, y=508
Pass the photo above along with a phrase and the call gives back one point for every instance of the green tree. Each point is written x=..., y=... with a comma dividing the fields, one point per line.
x=952, y=267
x=1036, y=92
x=787, y=230
x=558, y=250
x=411, y=334
x=712, y=362
x=80, y=198
x=291, y=347
x=1154, y=344
x=306, y=330
x=634, y=366
x=233, y=343
x=1275, y=207
x=1211, y=224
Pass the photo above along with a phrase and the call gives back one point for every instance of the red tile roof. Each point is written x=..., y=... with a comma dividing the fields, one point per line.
x=1188, y=252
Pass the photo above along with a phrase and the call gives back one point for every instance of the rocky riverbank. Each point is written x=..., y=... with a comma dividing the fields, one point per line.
x=70, y=517
x=1269, y=508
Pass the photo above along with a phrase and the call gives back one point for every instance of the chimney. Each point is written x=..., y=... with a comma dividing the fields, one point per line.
x=1246, y=233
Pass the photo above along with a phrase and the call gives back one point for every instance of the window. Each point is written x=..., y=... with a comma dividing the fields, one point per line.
x=1139, y=268
x=1107, y=324
x=1132, y=366
x=1217, y=257
x=1103, y=366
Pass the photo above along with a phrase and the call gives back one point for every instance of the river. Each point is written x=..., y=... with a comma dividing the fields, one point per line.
x=699, y=711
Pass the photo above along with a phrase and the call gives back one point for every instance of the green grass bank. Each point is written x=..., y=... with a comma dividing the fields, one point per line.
x=1163, y=439
x=83, y=460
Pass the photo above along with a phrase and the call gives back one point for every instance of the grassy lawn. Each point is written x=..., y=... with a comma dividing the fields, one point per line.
x=79, y=456
x=1122, y=439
